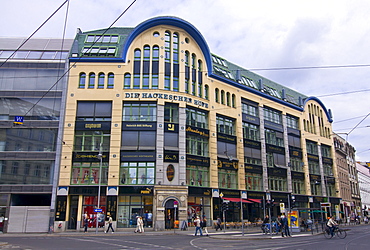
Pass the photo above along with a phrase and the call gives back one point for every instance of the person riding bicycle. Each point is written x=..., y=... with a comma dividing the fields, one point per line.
x=332, y=225
x=265, y=224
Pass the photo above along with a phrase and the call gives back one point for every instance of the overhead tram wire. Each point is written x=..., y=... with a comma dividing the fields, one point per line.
x=71, y=66
x=34, y=33
x=313, y=67
x=358, y=123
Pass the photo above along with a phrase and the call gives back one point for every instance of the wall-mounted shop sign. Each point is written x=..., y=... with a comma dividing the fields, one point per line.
x=139, y=125
x=314, y=177
x=252, y=144
x=86, y=190
x=295, y=153
x=230, y=193
x=250, y=119
x=170, y=172
x=275, y=149
x=297, y=175
x=89, y=156
x=171, y=127
x=274, y=126
x=200, y=191
x=227, y=164
x=142, y=190
x=61, y=208
x=279, y=197
x=197, y=131
x=312, y=157
x=197, y=160
x=281, y=172
x=177, y=98
x=226, y=138
x=138, y=156
x=171, y=156
x=253, y=169
x=255, y=195
x=83, y=125
x=326, y=160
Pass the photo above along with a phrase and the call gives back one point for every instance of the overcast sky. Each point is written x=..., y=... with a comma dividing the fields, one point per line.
x=253, y=34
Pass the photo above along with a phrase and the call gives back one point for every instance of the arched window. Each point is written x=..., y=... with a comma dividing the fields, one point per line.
x=137, y=55
x=155, y=66
x=82, y=81
x=206, y=92
x=110, y=84
x=233, y=97
x=186, y=58
x=167, y=46
x=228, y=99
x=127, y=81
x=175, y=48
x=217, y=95
x=91, y=81
x=222, y=97
x=146, y=53
x=101, y=81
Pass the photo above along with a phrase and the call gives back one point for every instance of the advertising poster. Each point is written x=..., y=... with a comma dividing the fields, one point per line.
x=293, y=219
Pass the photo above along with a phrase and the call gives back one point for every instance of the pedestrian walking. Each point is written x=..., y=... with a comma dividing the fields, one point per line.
x=139, y=225
x=86, y=222
x=204, y=224
x=110, y=222
x=197, y=226
x=285, y=226
x=218, y=223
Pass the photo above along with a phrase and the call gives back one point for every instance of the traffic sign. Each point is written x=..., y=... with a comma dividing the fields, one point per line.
x=98, y=210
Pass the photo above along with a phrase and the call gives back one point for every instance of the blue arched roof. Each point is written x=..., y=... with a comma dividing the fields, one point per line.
x=173, y=21
x=312, y=98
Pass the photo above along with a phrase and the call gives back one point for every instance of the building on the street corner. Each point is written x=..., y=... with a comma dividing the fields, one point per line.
x=347, y=178
x=31, y=91
x=363, y=171
x=165, y=128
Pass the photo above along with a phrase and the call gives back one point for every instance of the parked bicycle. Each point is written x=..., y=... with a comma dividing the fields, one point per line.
x=340, y=233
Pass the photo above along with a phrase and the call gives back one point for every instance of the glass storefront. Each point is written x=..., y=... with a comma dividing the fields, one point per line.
x=88, y=206
x=131, y=206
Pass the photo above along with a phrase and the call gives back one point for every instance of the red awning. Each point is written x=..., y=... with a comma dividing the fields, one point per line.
x=255, y=200
x=236, y=200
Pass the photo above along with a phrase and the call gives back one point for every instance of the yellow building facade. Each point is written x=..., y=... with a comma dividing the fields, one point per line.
x=169, y=131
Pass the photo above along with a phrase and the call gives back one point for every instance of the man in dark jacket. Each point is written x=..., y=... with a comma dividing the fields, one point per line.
x=285, y=226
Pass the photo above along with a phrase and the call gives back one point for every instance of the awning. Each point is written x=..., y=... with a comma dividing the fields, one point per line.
x=255, y=200
x=237, y=200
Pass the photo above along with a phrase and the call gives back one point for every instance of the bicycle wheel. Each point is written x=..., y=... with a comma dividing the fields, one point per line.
x=341, y=233
x=327, y=233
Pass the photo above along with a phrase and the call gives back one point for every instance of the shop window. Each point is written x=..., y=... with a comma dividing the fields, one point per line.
x=253, y=181
x=138, y=111
x=137, y=173
x=227, y=179
x=197, y=176
x=87, y=173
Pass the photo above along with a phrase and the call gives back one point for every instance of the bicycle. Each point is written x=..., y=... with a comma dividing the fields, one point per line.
x=266, y=228
x=340, y=233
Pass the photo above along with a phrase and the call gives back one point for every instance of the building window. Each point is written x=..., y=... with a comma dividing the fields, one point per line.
x=227, y=179
x=82, y=81
x=274, y=137
x=196, y=118
x=253, y=181
x=217, y=95
x=94, y=111
x=167, y=46
x=292, y=122
x=296, y=164
x=196, y=145
x=222, y=97
x=127, y=81
x=315, y=188
x=277, y=183
x=272, y=115
x=87, y=173
x=137, y=111
x=131, y=206
x=250, y=109
x=325, y=151
x=175, y=49
x=206, y=92
x=171, y=113
x=91, y=140
x=314, y=167
x=225, y=125
x=197, y=176
x=233, y=101
x=251, y=131
x=298, y=186
x=312, y=148
x=101, y=80
x=110, y=84
x=137, y=173
x=91, y=81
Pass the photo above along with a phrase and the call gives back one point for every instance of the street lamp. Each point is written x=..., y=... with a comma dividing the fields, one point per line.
x=100, y=157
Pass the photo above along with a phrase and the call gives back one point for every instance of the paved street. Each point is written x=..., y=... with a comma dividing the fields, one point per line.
x=357, y=239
